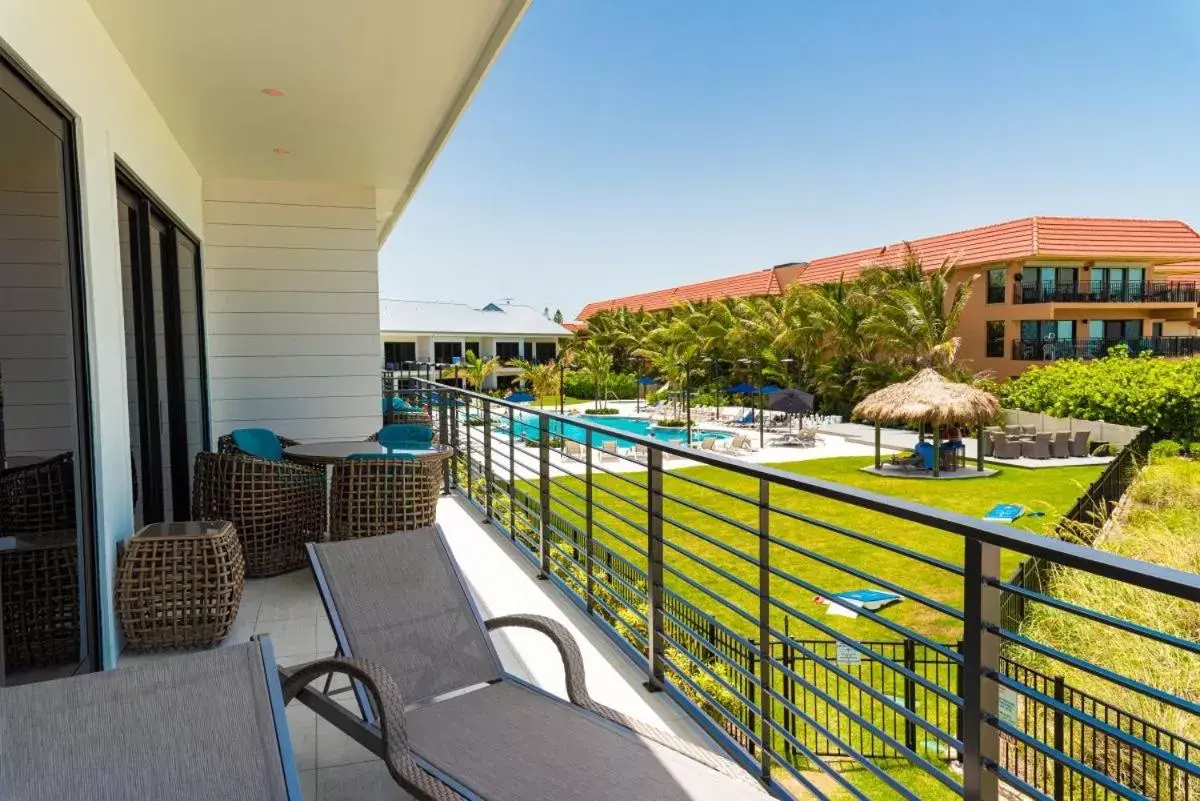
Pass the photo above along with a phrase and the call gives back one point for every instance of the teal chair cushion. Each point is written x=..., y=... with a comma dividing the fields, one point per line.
x=260, y=442
x=405, y=435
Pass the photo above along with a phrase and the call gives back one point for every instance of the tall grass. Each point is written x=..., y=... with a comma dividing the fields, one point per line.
x=1162, y=526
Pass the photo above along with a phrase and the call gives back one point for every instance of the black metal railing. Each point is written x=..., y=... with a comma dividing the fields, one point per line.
x=1105, y=292
x=706, y=580
x=1051, y=350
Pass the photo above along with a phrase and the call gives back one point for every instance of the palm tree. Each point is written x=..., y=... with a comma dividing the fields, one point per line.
x=474, y=370
x=596, y=363
x=541, y=378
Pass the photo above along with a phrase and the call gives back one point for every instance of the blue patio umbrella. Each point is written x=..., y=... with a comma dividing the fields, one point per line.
x=647, y=380
x=520, y=397
x=741, y=389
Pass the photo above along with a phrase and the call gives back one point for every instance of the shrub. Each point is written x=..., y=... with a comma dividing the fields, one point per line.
x=619, y=385
x=1164, y=449
x=1163, y=394
x=532, y=442
x=602, y=411
x=672, y=423
x=1105, y=449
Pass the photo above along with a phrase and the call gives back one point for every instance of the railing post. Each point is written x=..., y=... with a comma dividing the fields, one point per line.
x=487, y=461
x=766, y=734
x=654, y=570
x=512, y=475
x=443, y=437
x=981, y=659
x=1059, y=744
x=543, y=497
x=587, y=489
x=453, y=409
x=958, y=712
x=467, y=434
x=910, y=693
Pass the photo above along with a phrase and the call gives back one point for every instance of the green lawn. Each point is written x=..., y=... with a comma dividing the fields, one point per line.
x=1051, y=490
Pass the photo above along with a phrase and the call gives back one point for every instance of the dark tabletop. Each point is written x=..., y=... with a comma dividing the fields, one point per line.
x=333, y=452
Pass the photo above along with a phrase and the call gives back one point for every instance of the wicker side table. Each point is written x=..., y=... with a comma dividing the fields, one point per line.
x=179, y=585
x=39, y=599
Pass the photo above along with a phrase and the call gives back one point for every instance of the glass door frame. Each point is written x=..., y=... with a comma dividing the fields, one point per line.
x=41, y=104
x=150, y=210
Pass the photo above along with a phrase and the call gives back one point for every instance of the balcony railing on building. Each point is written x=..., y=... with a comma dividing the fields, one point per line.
x=1040, y=350
x=700, y=577
x=1106, y=292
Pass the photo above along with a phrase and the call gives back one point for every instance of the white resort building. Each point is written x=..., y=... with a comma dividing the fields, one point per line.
x=419, y=335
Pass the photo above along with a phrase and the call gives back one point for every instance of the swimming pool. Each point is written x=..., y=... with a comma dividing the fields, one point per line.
x=526, y=427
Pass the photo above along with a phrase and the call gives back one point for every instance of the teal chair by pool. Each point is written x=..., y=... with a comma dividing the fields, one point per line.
x=405, y=435
x=261, y=442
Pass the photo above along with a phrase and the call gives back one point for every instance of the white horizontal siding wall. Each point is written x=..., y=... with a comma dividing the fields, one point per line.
x=291, y=284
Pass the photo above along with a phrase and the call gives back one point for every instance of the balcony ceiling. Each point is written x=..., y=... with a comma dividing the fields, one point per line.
x=372, y=87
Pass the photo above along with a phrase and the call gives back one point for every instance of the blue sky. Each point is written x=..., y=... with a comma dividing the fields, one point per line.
x=619, y=146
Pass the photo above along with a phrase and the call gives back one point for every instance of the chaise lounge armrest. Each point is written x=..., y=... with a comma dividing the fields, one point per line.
x=578, y=695
x=397, y=755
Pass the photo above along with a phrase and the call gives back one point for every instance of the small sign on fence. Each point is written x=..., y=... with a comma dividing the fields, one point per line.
x=1008, y=706
x=847, y=656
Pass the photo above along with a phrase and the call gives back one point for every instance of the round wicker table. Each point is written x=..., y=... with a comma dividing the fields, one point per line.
x=336, y=452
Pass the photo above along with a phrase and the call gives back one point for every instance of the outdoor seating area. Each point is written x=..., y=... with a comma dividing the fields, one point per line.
x=1026, y=442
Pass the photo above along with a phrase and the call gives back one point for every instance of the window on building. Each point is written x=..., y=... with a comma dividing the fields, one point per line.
x=995, y=339
x=997, y=281
x=506, y=381
x=508, y=350
x=528, y=351
x=1047, y=339
x=544, y=351
x=397, y=355
x=1156, y=330
x=473, y=347
x=447, y=352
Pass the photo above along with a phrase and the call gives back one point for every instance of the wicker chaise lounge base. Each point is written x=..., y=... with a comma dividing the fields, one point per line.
x=471, y=729
x=204, y=727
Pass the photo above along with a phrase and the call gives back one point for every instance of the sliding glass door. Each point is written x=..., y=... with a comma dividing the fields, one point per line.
x=165, y=357
x=47, y=534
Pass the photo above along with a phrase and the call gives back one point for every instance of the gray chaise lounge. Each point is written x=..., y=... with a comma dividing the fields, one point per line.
x=472, y=729
x=203, y=727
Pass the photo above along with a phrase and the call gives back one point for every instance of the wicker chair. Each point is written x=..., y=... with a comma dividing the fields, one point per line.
x=225, y=444
x=38, y=497
x=371, y=497
x=392, y=416
x=276, y=507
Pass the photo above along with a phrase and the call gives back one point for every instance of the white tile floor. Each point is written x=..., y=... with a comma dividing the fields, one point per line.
x=334, y=767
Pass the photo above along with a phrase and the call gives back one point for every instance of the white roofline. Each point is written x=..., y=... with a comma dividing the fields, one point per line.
x=505, y=25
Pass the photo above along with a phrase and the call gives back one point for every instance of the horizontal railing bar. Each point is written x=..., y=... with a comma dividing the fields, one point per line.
x=723, y=601
x=741, y=640
x=1016, y=781
x=711, y=648
x=1150, y=576
x=896, y=588
x=713, y=541
x=1098, y=617
x=870, y=765
x=877, y=732
x=816, y=759
x=712, y=673
x=862, y=686
x=720, y=571
x=1096, y=670
x=642, y=642
x=633, y=588
x=865, y=651
x=598, y=465
x=1059, y=756
x=748, y=529
x=1103, y=728
x=949, y=567
x=737, y=496
x=725, y=713
x=903, y=631
x=639, y=550
x=603, y=508
x=641, y=507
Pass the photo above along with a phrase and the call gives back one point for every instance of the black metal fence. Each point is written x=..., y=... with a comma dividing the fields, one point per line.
x=751, y=672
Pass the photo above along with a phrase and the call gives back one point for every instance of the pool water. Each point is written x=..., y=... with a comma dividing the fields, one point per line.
x=526, y=427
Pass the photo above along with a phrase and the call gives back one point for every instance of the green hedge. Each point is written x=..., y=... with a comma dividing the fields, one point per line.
x=1163, y=394
x=620, y=385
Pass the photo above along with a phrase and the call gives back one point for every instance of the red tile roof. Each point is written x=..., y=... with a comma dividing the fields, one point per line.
x=573, y=326
x=1155, y=241
x=759, y=282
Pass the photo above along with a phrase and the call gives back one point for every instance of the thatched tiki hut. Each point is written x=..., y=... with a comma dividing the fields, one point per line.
x=933, y=400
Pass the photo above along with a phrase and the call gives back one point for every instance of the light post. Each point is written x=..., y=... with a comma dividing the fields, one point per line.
x=762, y=434
x=561, y=391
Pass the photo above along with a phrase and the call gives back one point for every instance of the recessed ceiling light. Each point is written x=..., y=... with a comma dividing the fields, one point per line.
x=281, y=151
x=271, y=92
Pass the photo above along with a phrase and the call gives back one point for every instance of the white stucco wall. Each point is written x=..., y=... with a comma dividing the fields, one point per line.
x=64, y=46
